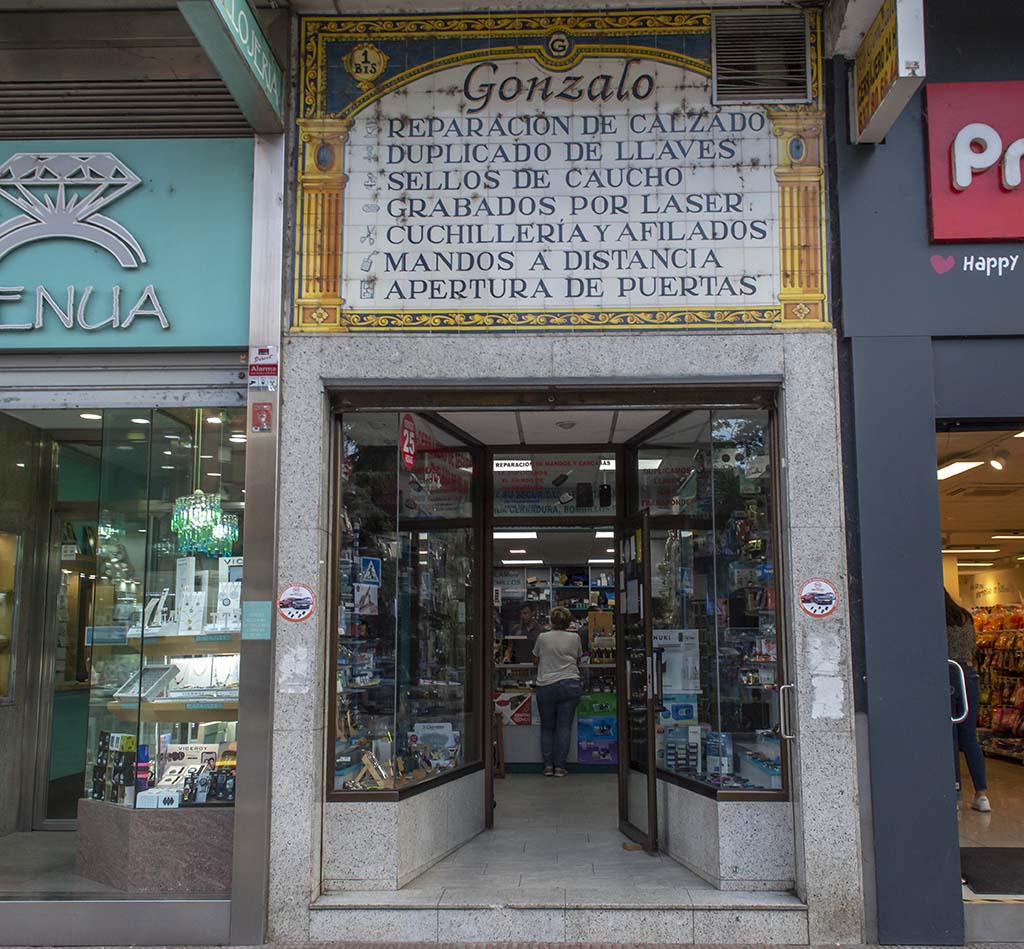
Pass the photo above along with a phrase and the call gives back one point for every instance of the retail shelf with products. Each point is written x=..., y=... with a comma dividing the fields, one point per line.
x=999, y=658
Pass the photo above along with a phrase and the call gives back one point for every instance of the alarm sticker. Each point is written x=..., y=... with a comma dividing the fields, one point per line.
x=818, y=597
x=296, y=602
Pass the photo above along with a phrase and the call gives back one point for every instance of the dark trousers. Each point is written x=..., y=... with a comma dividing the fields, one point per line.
x=965, y=736
x=557, y=705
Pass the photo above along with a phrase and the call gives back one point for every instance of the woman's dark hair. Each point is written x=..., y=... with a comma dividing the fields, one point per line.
x=956, y=615
x=560, y=618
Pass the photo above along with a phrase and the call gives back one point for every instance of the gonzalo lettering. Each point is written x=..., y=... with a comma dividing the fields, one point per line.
x=482, y=85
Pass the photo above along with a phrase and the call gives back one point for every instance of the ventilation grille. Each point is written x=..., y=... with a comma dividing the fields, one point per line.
x=760, y=57
x=194, y=108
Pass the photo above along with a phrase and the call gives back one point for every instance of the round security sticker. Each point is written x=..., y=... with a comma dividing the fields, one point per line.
x=296, y=602
x=818, y=597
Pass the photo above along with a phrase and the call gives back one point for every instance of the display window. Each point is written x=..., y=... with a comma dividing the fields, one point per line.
x=131, y=619
x=406, y=682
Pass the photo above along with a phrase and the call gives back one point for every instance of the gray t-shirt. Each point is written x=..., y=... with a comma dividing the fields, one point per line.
x=559, y=651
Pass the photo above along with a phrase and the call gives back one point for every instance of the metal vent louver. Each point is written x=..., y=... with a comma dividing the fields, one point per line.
x=192, y=108
x=760, y=57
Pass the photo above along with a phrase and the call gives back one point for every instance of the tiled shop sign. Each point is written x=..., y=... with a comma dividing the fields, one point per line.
x=548, y=172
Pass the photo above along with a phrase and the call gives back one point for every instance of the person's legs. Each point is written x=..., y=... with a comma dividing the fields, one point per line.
x=569, y=697
x=547, y=705
x=967, y=735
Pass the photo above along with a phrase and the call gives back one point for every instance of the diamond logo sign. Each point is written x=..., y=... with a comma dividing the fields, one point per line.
x=61, y=195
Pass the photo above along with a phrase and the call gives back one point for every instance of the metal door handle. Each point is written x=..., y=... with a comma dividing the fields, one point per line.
x=959, y=680
x=659, y=680
x=785, y=724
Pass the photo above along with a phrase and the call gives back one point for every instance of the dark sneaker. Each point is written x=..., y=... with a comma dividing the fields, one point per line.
x=561, y=773
x=549, y=771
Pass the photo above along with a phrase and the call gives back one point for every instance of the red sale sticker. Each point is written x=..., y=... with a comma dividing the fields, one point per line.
x=407, y=440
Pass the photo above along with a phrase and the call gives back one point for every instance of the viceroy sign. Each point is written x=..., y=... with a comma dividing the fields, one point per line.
x=975, y=147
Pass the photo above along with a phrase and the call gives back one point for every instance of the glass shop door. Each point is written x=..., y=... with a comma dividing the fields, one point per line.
x=638, y=802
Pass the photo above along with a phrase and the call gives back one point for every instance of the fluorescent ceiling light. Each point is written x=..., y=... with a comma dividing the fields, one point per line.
x=651, y=464
x=212, y=474
x=167, y=467
x=522, y=563
x=513, y=464
x=213, y=420
x=955, y=468
x=141, y=421
x=515, y=535
x=20, y=464
x=974, y=563
x=521, y=551
x=607, y=464
x=1019, y=535
x=970, y=550
x=600, y=560
x=604, y=535
x=609, y=550
x=90, y=416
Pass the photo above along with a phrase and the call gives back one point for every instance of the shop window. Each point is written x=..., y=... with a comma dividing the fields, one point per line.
x=707, y=481
x=161, y=570
x=405, y=685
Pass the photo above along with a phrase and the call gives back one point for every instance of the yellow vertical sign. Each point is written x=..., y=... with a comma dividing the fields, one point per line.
x=877, y=64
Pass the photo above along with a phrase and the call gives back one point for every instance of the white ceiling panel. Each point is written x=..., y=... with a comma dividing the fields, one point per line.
x=491, y=428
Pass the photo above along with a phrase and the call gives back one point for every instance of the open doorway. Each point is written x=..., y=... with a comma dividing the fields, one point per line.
x=549, y=830
x=982, y=518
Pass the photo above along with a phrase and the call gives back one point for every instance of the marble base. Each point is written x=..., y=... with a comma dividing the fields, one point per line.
x=387, y=844
x=735, y=845
x=184, y=851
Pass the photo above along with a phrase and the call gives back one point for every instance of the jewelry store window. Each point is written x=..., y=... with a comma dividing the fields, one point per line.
x=120, y=597
x=406, y=687
x=708, y=482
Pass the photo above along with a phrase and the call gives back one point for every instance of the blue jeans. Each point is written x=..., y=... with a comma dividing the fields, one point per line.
x=557, y=705
x=965, y=736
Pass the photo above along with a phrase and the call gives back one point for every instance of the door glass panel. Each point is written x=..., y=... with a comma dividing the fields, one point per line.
x=638, y=767
x=708, y=478
x=9, y=572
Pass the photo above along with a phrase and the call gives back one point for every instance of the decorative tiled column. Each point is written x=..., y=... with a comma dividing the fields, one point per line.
x=801, y=177
x=321, y=194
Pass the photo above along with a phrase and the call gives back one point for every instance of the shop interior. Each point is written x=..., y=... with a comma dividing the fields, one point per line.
x=120, y=631
x=551, y=504
x=981, y=497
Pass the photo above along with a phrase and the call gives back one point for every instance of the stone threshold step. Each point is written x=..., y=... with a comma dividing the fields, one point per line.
x=525, y=898
x=457, y=922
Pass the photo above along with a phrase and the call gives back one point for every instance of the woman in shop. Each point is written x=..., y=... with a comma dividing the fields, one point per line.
x=557, y=653
x=961, y=645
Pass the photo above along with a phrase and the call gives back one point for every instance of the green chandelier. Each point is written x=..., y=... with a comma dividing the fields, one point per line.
x=198, y=522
